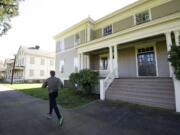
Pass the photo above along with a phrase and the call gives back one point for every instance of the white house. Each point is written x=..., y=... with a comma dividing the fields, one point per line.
x=32, y=64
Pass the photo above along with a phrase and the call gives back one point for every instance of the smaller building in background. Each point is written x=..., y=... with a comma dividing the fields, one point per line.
x=31, y=65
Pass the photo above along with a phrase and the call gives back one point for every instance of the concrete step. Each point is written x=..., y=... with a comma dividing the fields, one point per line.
x=148, y=91
x=144, y=101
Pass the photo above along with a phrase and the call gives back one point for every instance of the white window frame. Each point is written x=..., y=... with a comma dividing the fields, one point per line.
x=32, y=60
x=155, y=55
x=79, y=40
x=51, y=62
x=106, y=27
x=61, y=66
x=42, y=61
x=150, y=17
x=61, y=45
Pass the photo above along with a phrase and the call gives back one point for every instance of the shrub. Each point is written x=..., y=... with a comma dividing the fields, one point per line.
x=174, y=58
x=86, y=79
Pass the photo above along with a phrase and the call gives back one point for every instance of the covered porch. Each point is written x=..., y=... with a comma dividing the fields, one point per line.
x=142, y=58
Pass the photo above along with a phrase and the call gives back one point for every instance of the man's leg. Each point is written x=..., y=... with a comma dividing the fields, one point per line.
x=55, y=106
x=50, y=103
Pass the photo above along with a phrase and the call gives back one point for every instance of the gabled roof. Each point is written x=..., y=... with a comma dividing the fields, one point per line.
x=88, y=19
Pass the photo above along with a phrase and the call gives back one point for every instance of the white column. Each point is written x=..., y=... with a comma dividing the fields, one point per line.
x=88, y=62
x=110, y=59
x=177, y=34
x=169, y=44
x=177, y=82
x=82, y=61
x=102, y=91
x=79, y=62
x=116, y=60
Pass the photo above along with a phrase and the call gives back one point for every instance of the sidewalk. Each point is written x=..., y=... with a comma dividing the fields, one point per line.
x=24, y=115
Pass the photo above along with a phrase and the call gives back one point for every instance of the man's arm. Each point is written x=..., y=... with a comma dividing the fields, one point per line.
x=44, y=85
x=60, y=84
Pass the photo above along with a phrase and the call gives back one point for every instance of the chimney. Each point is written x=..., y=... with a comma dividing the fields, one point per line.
x=37, y=47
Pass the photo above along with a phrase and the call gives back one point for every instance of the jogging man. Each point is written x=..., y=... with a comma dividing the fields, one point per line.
x=53, y=83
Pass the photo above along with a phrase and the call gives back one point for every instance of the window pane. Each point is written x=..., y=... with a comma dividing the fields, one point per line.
x=142, y=17
x=107, y=30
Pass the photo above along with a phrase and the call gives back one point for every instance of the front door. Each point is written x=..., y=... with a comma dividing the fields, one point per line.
x=146, y=62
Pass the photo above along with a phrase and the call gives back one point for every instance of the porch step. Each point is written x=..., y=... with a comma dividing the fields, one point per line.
x=158, y=92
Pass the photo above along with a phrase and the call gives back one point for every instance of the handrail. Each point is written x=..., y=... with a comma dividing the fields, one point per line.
x=109, y=79
x=104, y=84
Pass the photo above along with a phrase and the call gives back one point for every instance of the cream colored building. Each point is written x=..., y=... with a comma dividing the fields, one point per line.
x=32, y=65
x=129, y=48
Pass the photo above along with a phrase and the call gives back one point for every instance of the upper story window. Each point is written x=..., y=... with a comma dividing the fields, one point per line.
x=107, y=30
x=60, y=45
x=142, y=17
x=42, y=61
x=51, y=62
x=32, y=60
x=77, y=38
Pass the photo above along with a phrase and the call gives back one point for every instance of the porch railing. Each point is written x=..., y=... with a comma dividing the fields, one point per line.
x=105, y=83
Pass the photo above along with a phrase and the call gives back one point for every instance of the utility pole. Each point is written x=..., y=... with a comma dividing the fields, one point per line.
x=12, y=76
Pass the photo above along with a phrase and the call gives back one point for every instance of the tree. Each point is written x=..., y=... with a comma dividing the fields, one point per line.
x=8, y=9
x=174, y=58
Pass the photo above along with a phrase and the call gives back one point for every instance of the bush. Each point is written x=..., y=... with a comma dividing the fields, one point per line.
x=86, y=79
x=174, y=58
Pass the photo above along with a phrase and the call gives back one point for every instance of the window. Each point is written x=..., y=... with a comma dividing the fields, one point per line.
x=31, y=72
x=42, y=61
x=61, y=66
x=104, y=63
x=22, y=61
x=41, y=72
x=32, y=60
x=142, y=17
x=76, y=64
x=107, y=30
x=60, y=45
x=77, y=38
x=51, y=62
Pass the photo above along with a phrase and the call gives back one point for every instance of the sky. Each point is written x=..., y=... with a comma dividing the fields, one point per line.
x=40, y=20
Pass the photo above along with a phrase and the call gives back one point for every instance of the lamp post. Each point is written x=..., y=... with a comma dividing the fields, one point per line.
x=12, y=75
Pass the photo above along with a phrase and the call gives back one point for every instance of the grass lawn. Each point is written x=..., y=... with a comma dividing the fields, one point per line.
x=68, y=98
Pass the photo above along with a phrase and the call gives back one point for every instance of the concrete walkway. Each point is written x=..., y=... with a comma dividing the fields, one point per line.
x=21, y=114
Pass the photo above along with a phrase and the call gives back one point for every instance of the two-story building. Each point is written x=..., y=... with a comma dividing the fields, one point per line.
x=32, y=65
x=129, y=48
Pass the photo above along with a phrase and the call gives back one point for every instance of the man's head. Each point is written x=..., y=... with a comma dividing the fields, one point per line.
x=52, y=73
